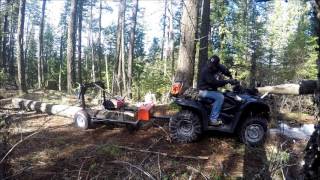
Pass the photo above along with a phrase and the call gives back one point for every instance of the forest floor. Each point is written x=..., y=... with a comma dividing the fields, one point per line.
x=50, y=147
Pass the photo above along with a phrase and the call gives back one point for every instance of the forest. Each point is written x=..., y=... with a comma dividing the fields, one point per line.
x=134, y=51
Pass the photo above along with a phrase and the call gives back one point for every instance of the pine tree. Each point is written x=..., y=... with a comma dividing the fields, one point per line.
x=20, y=56
x=71, y=45
x=185, y=67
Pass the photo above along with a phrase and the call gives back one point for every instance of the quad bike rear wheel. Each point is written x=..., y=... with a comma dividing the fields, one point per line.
x=82, y=120
x=185, y=127
x=253, y=131
x=311, y=167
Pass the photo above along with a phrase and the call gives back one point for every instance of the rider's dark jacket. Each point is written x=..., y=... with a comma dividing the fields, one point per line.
x=209, y=77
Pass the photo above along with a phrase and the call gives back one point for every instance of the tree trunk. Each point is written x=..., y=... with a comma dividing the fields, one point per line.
x=304, y=87
x=10, y=50
x=20, y=57
x=131, y=47
x=4, y=52
x=79, y=42
x=1, y=35
x=124, y=83
x=70, y=45
x=253, y=70
x=107, y=73
x=204, y=34
x=163, y=36
x=99, y=41
x=317, y=30
x=185, y=69
x=40, y=47
x=116, y=87
x=252, y=43
x=60, y=110
x=171, y=40
x=60, y=63
x=28, y=37
x=93, y=73
x=116, y=73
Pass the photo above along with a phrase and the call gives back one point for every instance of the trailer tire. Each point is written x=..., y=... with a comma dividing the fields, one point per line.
x=82, y=120
x=133, y=128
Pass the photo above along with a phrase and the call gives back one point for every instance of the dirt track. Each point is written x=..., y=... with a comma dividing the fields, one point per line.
x=61, y=151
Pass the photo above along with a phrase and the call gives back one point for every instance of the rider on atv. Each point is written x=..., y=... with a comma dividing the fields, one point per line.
x=209, y=83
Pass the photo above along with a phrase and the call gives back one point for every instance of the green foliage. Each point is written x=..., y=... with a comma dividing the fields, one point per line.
x=150, y=78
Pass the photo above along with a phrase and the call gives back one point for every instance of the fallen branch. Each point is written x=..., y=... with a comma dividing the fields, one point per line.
x=19, y=142
x=197, y=171
x=163, y=154
x=131, y=165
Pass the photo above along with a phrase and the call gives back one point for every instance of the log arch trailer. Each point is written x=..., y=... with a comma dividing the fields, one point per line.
x=115, y=111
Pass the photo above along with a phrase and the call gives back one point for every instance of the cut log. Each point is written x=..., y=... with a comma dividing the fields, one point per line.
x=4, y=102
x=304, y=87
x=52, y=109
x=70, y=111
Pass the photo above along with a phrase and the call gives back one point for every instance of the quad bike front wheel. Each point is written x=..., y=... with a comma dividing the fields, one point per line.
x=253, y=131
x=82, y=120
x=311, y=167
x=185, y=127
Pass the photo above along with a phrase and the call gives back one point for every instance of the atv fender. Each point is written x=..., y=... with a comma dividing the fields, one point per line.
x=253, y=106
x=194, y=106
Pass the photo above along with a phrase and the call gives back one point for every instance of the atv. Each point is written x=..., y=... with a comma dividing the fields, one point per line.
x=243, y=112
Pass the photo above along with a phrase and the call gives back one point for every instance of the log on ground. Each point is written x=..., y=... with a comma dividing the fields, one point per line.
x=70, y=111
x=51, y=109
x=304, y=87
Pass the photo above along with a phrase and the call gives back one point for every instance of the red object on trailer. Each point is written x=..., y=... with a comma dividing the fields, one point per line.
x=145, y=112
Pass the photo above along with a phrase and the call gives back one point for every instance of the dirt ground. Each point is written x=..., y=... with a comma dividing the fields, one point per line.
x=50, y=147
x=61, y=151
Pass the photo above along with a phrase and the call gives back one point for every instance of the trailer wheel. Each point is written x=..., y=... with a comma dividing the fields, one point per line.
x=82, y=120
x=253, y=131
x=133, y=128
x=185, y=127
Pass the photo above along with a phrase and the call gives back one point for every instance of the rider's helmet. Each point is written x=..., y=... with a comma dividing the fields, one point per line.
x=214, y=61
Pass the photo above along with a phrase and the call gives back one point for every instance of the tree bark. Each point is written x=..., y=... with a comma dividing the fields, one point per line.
x=10, y=50
x=163, y=36
x=93, y=69
x=124, y=82
x=185, y=67
x=80, y=41
x=20, y=57
x=107, y=73
x=131, y=47
x=60, y=63
x=204, y=36
x=4, y=52
x=116, y=87
x=1, y=35
x=40, y=47
x=171, y=40
x=70, y=45
x=99, y=41
x=317, y=30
